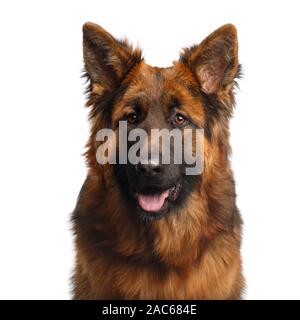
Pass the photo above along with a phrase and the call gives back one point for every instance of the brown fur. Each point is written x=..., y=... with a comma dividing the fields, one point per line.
x=194, y=254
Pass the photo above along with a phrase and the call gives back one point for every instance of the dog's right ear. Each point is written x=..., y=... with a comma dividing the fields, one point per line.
x=107, y=60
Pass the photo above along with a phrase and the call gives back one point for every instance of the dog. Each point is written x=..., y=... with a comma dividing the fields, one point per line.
x=149, y=230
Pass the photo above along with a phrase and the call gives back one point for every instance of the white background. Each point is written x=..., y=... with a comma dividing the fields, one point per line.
x=43, y=129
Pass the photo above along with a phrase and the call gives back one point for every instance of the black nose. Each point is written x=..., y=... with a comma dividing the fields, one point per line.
x=149, y=169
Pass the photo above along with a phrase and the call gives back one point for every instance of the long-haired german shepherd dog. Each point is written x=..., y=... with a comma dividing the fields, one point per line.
x=149, y=231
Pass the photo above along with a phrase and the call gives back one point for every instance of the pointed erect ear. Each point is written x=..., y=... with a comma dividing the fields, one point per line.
x=107, y=60
x=215, y=60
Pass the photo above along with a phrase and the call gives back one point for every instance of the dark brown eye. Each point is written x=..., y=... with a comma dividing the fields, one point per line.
x=180, y=119
x=132, y=117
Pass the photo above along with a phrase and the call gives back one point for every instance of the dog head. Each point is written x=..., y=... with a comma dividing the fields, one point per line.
x=197, y=92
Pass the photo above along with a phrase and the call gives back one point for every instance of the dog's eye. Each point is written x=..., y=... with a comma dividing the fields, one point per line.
x=180, y=119
x=132, y=117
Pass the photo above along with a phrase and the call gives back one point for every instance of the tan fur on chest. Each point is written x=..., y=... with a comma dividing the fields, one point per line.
x=216, y=276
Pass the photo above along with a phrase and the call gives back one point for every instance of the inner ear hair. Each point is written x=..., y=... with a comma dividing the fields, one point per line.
x=107, y=60
x=215, y=60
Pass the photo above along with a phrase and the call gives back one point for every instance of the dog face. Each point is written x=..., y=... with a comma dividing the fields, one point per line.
x=195, y=93
x=157, y=99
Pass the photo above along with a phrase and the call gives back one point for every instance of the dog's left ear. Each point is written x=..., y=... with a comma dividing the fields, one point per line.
x=215, y=60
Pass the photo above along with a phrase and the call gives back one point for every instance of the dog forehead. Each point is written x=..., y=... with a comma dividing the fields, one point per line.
x=156, y=73
x=153, y=83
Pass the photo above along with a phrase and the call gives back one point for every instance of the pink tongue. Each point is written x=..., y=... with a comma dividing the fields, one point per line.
x=152, y=202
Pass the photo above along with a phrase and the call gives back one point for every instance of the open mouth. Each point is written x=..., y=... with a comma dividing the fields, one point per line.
x=158, y=201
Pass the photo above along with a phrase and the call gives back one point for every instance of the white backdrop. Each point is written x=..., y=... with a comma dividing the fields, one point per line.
x=43, y=129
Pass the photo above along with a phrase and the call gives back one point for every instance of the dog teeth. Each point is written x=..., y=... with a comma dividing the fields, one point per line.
x=173, y=189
